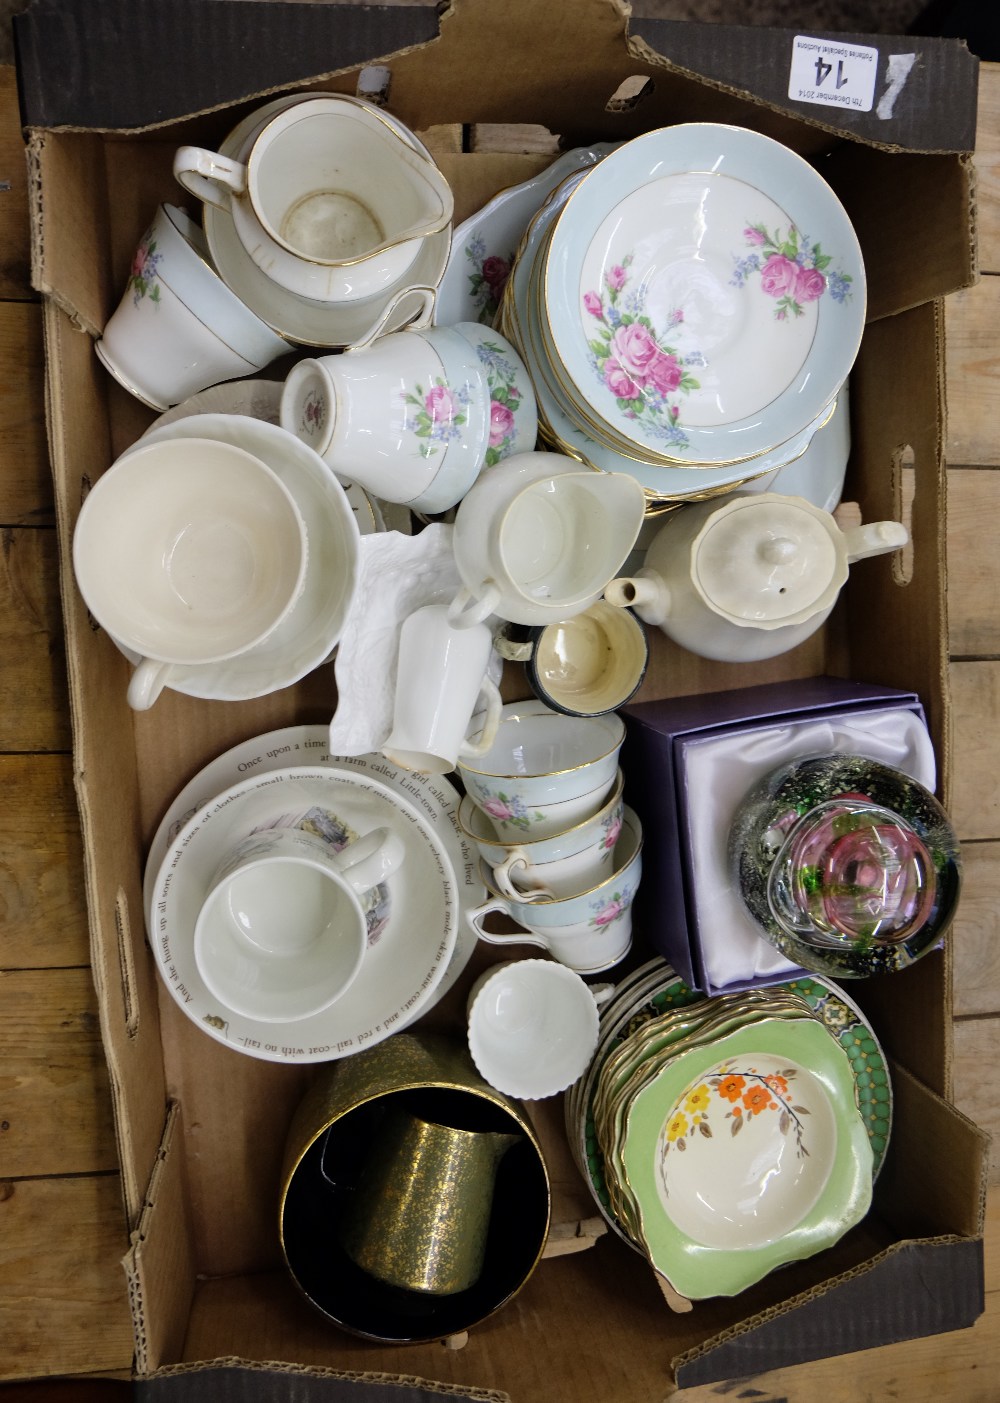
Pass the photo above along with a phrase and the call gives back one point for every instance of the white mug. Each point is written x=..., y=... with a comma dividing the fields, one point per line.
x=189, y=553
x=533, y=1026
x=332, y=202
x=440, y=676
x=282, y=933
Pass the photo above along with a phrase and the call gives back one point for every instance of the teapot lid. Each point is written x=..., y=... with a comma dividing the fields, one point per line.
x=767, y=561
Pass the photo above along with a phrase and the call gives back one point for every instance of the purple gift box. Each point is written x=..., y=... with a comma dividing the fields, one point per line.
x=660, y=738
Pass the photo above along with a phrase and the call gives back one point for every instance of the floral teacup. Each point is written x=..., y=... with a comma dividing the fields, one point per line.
x=410, y=417
x=544, y=772
x=557, y=866
x=178, y=328
x=591, y=930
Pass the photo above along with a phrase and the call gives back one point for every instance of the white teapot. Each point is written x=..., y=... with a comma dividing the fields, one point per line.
x=749, y=578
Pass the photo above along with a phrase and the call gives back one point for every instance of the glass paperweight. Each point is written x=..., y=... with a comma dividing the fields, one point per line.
x=849, y=867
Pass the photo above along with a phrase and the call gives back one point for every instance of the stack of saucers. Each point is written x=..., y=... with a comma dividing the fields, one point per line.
x=724, y=1137
x=689, y=309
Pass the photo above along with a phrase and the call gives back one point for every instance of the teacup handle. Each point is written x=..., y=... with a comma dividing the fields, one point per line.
x=499, y=903
x=209, y=176
x=371, y=859
x=147, y=682
x=467, y=609
x=511, y=649
x=427, y=297
x=501, y=875
x=488, y=734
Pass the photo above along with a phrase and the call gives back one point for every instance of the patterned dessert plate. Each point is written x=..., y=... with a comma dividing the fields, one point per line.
x=705, y=292
x=412, y=928
x=747, y=1153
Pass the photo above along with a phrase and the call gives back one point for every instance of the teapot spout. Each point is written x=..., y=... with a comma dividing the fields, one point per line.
x=875, y=538
x=646, y=593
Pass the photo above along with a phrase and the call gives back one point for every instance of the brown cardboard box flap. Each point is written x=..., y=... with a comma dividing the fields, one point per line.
x=77, y=63
x=237, y=1381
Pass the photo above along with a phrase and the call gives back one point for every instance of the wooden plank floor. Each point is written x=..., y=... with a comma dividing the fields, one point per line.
x=62, y=1293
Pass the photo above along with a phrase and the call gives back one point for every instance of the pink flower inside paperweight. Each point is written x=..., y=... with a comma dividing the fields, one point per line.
x=849, y=867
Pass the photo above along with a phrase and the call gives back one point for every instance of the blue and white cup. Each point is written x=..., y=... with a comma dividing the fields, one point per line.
x=178, y=328
x=591, y=931
x=544, y=772
x=560, y=865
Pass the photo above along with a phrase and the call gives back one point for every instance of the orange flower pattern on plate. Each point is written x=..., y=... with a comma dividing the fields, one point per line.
x=747, y=1092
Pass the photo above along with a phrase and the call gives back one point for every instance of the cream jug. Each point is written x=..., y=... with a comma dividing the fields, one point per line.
x=751, y=578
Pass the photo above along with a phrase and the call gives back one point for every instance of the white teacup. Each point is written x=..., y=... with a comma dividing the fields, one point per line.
x=188, y=553
x=538, y=539
x=440, y=676
x=590, y=931
x=560, y=865
x=544, y=772
x=178, y=328
x=533, y=1027
x=281, y=933
x=332, y=202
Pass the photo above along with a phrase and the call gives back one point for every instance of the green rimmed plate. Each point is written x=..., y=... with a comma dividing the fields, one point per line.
x=839, y=1014
x=745, y=1154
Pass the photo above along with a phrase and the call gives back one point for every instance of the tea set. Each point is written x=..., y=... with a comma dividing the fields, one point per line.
x=631, y=413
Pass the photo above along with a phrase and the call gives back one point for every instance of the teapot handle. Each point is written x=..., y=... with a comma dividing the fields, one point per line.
x=874, y=538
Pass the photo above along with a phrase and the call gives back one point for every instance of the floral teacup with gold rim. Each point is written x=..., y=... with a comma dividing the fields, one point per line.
x=544, y=772
x=414, y=416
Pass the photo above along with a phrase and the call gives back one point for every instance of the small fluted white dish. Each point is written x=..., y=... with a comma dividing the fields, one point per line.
x=313, y=627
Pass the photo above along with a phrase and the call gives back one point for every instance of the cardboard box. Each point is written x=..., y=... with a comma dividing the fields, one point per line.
x=658, y=739
x=200, y=1127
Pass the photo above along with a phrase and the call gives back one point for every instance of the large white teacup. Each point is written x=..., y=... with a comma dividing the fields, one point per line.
x=282, y=932
x=537, y=538
x=332, y=202
x=188, y=553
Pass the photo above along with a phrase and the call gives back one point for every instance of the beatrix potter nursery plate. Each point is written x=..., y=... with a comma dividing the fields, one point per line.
x=431, y=795
x=705, y=292
x=409, y=948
